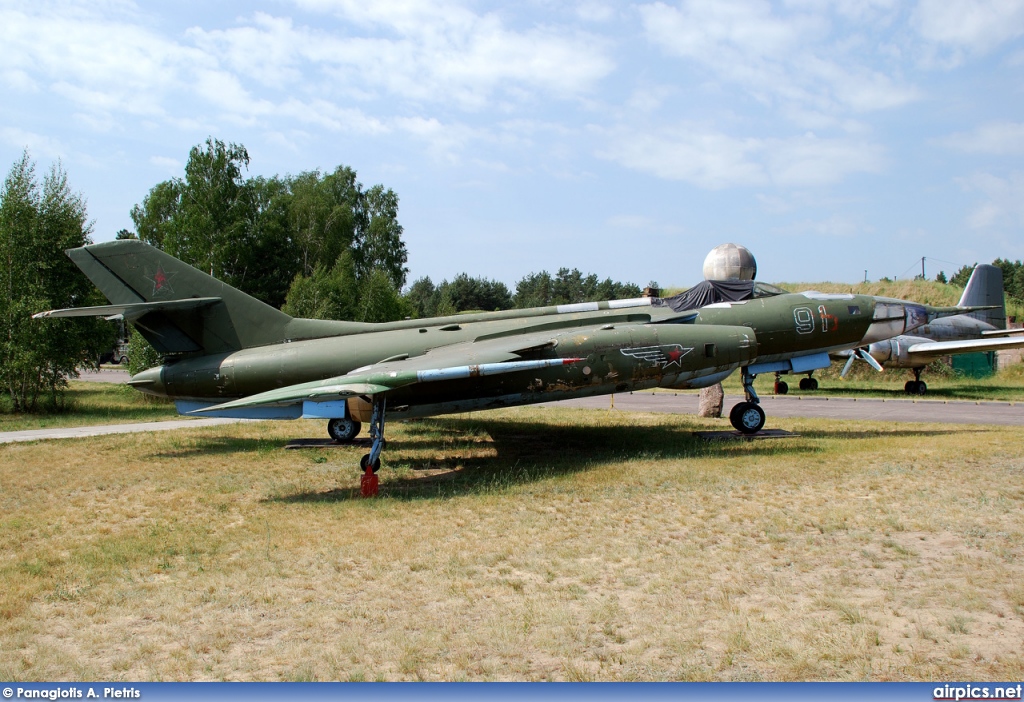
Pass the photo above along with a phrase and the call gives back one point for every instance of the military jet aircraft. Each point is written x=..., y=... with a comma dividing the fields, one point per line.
x=964, y=333
x=228, y=354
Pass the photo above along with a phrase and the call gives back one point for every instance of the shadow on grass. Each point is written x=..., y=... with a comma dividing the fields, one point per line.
x=488, y=455
x=219, y=445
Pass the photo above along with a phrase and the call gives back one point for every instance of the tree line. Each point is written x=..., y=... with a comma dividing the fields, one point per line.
x=38, y=222
x=464, y=293
x=279, y=239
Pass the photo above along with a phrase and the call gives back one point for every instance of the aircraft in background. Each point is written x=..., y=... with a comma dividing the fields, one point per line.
x=984, y=330
x=227, y=354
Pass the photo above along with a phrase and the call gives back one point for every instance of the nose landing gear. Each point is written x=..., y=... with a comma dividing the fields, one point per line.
x=370, y=463
x=748, y=417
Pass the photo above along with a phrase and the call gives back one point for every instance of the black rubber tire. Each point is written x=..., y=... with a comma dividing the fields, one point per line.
x=813, y=385
x=365, y=460
x=747, y=417
x=911, y=387
x=805, y=383
x=922, y=387
x=781, y=387
x=343, y=429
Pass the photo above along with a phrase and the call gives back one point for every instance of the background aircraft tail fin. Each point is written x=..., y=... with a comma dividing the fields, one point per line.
x=985, y=287
x=130, y=271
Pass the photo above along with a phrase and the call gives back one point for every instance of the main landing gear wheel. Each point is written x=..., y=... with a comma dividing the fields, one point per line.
x=343, y=429
x=808, y=383
x=915, y=387
x=747, y=417
x=781, y=387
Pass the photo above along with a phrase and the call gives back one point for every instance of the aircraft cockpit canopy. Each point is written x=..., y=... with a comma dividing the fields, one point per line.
x=711, y=291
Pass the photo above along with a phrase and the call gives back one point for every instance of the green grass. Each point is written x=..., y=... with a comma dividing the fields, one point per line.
x=92, y=403
x=526, y=544
x=1005, y=386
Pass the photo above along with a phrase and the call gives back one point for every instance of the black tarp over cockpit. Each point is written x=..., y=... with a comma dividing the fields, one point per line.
x=708, y=292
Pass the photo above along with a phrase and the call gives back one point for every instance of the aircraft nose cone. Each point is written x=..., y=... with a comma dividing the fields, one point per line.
x=149, y=381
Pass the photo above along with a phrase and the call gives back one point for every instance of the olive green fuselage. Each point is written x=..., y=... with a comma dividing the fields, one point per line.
x=620, y=350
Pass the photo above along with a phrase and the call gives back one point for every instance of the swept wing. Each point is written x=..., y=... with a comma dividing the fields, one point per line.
x=927, y=350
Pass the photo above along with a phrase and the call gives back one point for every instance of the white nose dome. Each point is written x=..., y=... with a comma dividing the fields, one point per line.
x=730, y=262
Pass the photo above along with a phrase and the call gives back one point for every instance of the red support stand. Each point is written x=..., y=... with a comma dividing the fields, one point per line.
x=368, y=483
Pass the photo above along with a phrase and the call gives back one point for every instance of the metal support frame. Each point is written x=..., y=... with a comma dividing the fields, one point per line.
x=377, y=427
x=748, y=387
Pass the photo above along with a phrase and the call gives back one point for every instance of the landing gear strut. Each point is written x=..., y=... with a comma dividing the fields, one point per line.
x=748, y=417
x=370, y=463
x=781, y=386
x=916, y=386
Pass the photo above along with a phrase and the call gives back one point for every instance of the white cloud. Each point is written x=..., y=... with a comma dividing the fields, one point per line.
x=795, y=59
x=35, y=143
x=107, y=62
x=593, y=11
x=714, y=160
x=1004, y=204
x=1000, y=138
x=168, y=164
x=430, y=52
x=976, y=26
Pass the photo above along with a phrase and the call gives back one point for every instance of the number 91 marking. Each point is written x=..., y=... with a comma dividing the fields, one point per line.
x=804, y=319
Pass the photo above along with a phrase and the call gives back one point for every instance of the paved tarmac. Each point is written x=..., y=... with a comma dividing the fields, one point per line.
x=892, y=410
x=8, y=437
x=104, y=375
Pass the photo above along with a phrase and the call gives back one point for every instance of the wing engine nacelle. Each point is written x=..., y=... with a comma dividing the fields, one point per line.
x=893, y=352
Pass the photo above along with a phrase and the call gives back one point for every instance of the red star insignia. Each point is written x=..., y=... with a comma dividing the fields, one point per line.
x=162, y=282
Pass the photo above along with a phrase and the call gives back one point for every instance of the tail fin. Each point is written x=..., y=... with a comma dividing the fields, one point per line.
x=129, y=272
x=985, y=287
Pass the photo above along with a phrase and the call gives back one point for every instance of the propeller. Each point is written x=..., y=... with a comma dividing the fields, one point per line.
x=861, y=353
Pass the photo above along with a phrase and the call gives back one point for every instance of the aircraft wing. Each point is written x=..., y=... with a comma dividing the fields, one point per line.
x=133, y=310
x=946, y=348
x=448, y=363
x=1002, y=332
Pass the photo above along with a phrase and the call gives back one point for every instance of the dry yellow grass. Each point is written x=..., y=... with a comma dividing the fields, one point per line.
x=525, y=544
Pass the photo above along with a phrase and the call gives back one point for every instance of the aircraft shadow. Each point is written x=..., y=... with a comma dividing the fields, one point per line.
x=479, y=455
x=219, y=445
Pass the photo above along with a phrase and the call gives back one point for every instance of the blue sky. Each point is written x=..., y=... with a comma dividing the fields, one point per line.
x=626, y=139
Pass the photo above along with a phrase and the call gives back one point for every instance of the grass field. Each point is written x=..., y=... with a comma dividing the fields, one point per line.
x=92, y=403
x=109, y=403
x=863, y=381
x=536, y=544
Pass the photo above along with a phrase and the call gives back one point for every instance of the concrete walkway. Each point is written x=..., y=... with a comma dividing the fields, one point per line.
x=891, y=410
x=78, y=432
x=103, y=375
x=840, y=408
